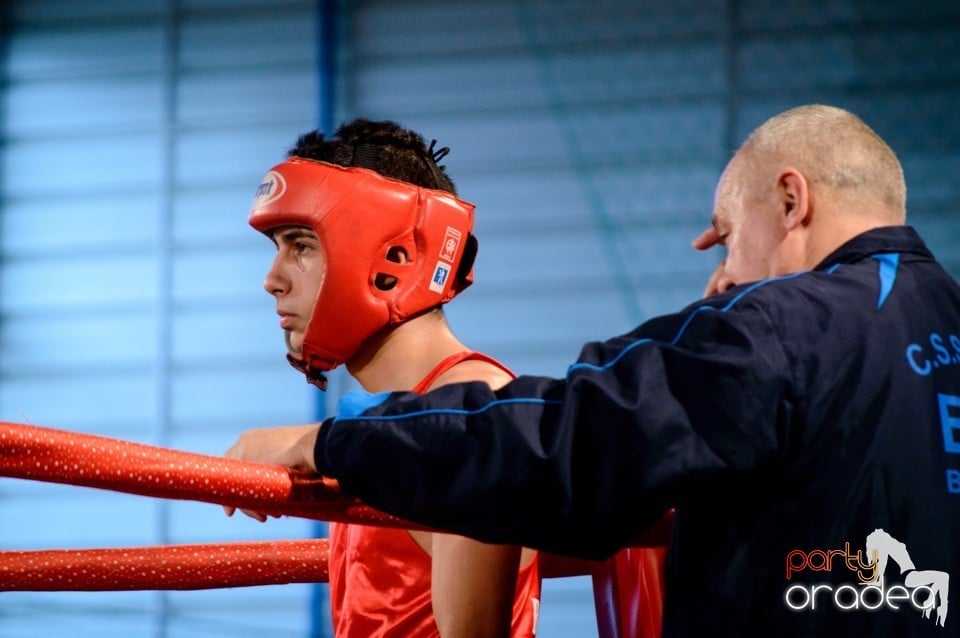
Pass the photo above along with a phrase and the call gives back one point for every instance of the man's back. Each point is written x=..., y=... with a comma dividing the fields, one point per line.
x=864, y=441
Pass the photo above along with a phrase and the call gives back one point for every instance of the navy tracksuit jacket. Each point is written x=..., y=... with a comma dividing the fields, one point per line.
x=785, y=420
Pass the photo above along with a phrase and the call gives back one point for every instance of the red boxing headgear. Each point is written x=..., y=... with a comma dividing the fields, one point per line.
x=359, y=216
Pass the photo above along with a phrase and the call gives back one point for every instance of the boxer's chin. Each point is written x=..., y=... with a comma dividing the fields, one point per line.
x=294, y=344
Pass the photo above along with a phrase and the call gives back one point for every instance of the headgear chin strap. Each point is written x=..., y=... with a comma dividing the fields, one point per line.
x=360, y=218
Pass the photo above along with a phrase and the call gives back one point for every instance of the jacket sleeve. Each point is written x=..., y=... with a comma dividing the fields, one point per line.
x=579, y=465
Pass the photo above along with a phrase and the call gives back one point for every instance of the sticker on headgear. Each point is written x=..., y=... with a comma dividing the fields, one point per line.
x=270, y=190
x=440, y=274
x=451, y=242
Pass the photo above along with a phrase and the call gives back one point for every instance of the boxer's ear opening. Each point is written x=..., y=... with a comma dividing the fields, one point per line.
x=398, y=255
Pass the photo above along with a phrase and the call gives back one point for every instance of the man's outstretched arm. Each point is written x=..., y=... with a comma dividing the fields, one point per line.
x=577, y=465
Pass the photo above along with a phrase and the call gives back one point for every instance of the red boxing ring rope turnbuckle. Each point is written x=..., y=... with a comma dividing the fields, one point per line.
x=58, y=456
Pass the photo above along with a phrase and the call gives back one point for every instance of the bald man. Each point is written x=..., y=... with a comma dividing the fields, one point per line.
x=831, y=175
x=811, y=401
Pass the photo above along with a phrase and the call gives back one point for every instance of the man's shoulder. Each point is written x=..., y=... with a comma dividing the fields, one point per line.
x=800, y=308
x=809, y=290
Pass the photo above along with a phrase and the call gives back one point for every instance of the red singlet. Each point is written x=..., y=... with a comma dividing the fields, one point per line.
x=380, y=577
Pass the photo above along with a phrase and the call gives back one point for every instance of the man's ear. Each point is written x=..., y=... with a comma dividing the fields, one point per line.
x=795, y=197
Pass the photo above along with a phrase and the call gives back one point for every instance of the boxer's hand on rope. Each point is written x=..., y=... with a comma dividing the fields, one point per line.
x=290, y=446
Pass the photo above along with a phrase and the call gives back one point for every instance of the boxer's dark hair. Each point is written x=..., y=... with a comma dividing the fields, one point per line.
x=382, y=146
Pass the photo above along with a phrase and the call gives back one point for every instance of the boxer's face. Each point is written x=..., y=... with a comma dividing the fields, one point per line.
x=294, y=280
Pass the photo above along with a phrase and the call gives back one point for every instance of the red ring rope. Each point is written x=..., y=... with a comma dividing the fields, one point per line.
x=199, y=566
x=58, y=456
x=166, y=567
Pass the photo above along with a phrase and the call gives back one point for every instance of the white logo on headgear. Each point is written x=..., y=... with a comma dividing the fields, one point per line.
x=451, y=241
x=270, y=190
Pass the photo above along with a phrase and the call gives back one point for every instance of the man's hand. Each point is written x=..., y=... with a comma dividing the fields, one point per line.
x=719, y=281
x=290, y=446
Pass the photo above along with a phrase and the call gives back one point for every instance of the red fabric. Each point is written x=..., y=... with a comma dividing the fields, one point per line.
x=641, y=591
x=628, y=592
x=380, y=578
x=380, y=586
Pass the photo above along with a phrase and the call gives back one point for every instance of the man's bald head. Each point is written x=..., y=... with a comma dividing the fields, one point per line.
x=833, y=148
x=804, y=183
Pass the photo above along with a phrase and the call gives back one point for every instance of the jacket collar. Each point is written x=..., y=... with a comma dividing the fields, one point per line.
x=886, y=239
